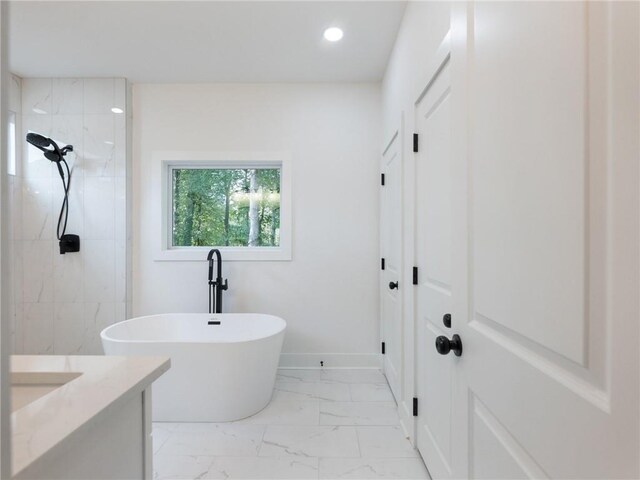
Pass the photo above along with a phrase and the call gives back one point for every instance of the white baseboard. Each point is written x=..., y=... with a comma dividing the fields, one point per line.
x=330, y=360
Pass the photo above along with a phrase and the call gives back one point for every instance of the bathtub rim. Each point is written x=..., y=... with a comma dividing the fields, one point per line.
x=105, y=337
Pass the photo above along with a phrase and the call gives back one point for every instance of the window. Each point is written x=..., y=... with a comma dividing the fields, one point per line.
x=239, y=202
x=11, y=144
x=230, y=207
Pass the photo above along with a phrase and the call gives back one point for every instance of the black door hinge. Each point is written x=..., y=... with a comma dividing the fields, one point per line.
x=382, y=264
x=415, y=143
x=415, y=407
x=382, y=179
x=415, y=275
x=383, y=349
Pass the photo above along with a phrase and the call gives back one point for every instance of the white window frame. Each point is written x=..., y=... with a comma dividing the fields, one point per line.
x=12, y=143
x=167, y=161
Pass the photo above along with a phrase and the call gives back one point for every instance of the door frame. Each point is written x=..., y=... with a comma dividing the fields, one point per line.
x=441, y=57
x=395, y=136
x=407, y=188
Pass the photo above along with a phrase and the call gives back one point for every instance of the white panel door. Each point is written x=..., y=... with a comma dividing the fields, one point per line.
x=434, y=294
x=545, y=240
x=391, y=251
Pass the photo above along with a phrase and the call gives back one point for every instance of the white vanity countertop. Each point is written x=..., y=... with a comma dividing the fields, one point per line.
x=104, y=382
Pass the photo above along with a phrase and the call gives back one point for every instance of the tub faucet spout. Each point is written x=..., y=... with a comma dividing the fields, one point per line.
x=217, y=286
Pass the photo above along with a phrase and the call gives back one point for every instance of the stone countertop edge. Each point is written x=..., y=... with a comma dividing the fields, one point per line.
x=41, y=428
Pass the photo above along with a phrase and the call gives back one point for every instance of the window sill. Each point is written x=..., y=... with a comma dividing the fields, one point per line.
x=229, y=254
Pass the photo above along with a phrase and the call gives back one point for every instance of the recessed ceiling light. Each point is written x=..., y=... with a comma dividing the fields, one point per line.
x=333, y=34
x=117, y=110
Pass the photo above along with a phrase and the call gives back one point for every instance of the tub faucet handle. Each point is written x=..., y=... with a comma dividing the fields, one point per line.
x=226, y=285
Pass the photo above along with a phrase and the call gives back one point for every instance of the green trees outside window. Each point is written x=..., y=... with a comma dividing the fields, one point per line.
x=219, y=207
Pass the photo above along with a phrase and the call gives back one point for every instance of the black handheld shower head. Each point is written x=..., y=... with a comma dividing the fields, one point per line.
x=52, y=152
x=38, y=140
x=43, y=143
x=52, y=155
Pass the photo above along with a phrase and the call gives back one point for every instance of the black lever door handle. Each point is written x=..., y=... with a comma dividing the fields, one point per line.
x=444, y=345
x=393, y=285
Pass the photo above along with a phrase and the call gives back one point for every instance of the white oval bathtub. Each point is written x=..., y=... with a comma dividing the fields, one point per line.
x=223, y=366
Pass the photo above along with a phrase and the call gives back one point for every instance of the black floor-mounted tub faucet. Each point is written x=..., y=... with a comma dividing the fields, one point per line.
x=216, y=287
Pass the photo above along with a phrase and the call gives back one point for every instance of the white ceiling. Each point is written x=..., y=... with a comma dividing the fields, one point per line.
x=202, y=41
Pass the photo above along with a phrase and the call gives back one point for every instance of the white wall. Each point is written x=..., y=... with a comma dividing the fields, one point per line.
x=328, y=293
x=62, y=302
x=424, y=26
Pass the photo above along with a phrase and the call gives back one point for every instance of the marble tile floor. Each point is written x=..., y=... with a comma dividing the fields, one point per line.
x=321, y=424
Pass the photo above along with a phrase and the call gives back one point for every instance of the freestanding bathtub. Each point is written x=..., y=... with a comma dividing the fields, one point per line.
x=223, y=366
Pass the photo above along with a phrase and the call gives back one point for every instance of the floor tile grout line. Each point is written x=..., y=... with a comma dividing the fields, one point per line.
x=358, y=440
x=264, y=433
x=160, y=446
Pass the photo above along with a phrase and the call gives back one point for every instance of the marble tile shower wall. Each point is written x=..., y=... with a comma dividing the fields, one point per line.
x=62, y=302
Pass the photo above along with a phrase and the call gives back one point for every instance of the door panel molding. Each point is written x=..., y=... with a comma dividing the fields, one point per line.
x=575, y=340
x=482, y=417
x=440, y=59
x=394, y=135
x=506, y=175
x=567, y=375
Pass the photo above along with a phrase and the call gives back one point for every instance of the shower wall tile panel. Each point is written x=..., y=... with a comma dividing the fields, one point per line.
x=62, y=302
